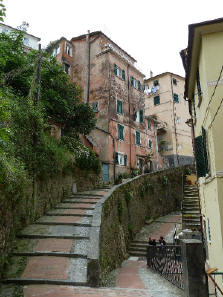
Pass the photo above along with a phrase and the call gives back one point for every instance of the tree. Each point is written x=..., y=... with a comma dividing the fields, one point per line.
x=2, y=11
x=60, y=97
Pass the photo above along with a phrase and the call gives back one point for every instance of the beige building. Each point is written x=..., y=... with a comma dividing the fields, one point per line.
x=203, y=62
x=164, y=100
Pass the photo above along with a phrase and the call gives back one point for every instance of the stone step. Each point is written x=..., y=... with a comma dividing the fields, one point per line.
x=49, y=268
x=132, y=245
x=49, y=254
x=191, y=212
x=137, y=249
x=39, y=281
x=76, y=205
x=87, y=201
x=65, y=220
x=70, y=212
x=52, y=245
x=57, y=231
x=138, y=254
x=86, y=194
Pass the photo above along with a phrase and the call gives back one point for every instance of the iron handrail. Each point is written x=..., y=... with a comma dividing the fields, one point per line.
x=210, y=272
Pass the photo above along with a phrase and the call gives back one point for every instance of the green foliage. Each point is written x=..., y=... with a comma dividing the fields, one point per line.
x=164, y=180
x=128, y=196
x=120, y=209
x=187, y=171
x=2, y=11
x=84, y=157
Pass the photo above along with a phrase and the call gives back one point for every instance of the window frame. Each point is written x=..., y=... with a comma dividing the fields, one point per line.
x=175, y=95
x=120, y=73
x=68, y=48
x=117, y=104
x=154, y=98
x=93, y=108
x=123, y=132
x=150, y=142
x=156, y=83
x=139, y=134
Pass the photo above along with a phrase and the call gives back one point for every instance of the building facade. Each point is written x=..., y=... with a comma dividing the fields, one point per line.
x=123, y=138
x=203, y=64
x=164, y=101
x=30, y=41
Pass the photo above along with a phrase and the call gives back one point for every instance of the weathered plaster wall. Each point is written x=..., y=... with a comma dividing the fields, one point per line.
x=122, y=213
x=17, y=212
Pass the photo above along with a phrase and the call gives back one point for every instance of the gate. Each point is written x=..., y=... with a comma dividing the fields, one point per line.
x=167, y=261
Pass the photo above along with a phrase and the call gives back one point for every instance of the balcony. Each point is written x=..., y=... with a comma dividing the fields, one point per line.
x=161, y=127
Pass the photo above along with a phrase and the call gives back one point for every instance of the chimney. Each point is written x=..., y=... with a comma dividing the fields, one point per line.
x=151, y=73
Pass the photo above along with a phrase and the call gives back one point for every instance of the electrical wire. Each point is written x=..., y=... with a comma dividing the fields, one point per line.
x=216, y=113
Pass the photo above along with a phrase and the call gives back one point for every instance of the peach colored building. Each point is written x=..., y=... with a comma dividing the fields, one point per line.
x=113, y=86
x=164, y=101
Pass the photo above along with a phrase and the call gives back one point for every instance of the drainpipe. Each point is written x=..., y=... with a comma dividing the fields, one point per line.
x=87, y=71
x=174, y=118
x=155, y=134
x=130, y=134
x=113, y=146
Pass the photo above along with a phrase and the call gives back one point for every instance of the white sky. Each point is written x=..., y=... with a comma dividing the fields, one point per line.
x=153, y=32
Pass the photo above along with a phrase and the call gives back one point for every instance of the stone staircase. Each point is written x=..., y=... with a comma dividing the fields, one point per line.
x=191, y=208
x=138, y=248
x=54, y=249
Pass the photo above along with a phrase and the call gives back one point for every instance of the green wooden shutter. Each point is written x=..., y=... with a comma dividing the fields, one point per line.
x=125, y=160
x=132, y=81
x=156, y=100
x=139, y=85
x=199, y=155
x=95, y=106
x=115, y=69
x=119, y=107
x=141, y=117
x=137, y=138
x=120, y=132
x=116, y=158
x=175, y=98
x=204, y=134
x=123, y=74
x=156, y=83
x=150, y=143
x=198, y=82
x=149, y=125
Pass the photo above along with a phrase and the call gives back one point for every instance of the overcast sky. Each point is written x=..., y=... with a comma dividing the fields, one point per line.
x=153, y=32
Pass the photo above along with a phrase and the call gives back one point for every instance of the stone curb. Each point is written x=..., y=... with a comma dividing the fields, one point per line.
x=53, y=254
x=40, y=236
x=30, y=281
x=63, y=224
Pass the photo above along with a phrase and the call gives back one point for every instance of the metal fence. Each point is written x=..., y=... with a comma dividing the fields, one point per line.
x=167, y=260
x=215, y=281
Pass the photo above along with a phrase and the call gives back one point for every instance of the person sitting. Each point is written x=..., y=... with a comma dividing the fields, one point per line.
x=150, y=242
x=162, y=241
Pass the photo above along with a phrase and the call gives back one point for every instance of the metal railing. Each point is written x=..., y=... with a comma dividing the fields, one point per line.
x=215, y=278
x=167, y=261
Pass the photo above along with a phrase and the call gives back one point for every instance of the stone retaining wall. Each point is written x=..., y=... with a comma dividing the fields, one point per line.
x=122, y=213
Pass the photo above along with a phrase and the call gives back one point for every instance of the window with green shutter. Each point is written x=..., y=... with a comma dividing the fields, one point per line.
x=156, y=83
x=205, y=146
x=120, y=132
x=132, y=81
x=119, y=107
x=141, y=116
x=116, y=158
x=156, y=100
x=123, y=74
x=150, y=143
x=149, y=125
x=174, y=81
x=95, y=106
x=139, y=85
x=175, y=98
x=125, y=160
x=199, y=156
x=115, y=69
x=198, y=82
x=138, y=138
